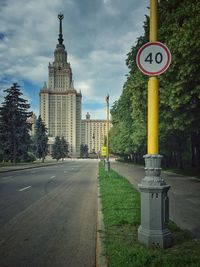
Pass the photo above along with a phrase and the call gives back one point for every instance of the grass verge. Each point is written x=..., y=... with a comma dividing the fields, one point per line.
x=121, y=211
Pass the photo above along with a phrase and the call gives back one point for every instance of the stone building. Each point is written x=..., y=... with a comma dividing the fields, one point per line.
x=60, y=107
x=32, y=121
x=60, y=103
x=94, y=133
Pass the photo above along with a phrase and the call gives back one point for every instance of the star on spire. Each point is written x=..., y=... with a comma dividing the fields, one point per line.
x=60, y=39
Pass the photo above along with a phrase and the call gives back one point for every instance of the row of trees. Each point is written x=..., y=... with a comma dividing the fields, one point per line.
x=179, y=107
x=16, y=143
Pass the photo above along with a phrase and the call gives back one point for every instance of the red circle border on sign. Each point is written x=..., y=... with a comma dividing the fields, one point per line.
x=164, y=68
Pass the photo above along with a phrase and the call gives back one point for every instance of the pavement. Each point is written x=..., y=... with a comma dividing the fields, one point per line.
x=184, y=195
x=48, y=215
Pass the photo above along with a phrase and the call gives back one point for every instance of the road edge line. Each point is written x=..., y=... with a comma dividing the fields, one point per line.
x=101, y=260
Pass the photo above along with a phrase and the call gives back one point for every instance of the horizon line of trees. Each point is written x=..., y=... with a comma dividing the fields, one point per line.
x=179, y=92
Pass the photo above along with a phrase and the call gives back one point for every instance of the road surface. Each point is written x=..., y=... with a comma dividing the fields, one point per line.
x=48, y=216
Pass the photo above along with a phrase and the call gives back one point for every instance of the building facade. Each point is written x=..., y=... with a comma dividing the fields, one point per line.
x=32, y=121
x=60, y=107
x=94, y=133
x=60, y=103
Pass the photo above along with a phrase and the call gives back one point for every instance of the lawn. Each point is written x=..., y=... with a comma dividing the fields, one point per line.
x=121, y=211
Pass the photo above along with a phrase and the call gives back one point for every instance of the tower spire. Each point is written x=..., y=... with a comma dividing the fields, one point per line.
x=60, y=39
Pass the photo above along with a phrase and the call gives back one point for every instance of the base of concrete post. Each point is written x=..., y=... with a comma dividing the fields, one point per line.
x=154, y=205
x=158, y=238
x=107, y=165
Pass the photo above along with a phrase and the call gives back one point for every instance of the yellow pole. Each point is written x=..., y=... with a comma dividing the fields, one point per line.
x=107, y=101
x=153, y=87
x=153, y=21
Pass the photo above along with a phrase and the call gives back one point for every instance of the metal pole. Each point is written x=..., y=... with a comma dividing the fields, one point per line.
x=107, y=163
x=107, y=100
x=153, y=87
x=154, y=200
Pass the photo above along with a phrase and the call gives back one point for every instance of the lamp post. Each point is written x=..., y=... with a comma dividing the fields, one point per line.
x=107, y=162
x=154, y=200
x=93, y=139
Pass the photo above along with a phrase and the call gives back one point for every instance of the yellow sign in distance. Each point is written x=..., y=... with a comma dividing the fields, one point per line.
x=103, y=151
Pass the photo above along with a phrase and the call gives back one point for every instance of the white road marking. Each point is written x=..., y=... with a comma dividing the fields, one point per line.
x=52, y=177
x=25, y=188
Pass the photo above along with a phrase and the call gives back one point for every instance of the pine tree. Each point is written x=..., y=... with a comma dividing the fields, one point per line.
x=64, y=148
x=57, y=149
x=40, y=139
x=83, y=151
x=14, y=128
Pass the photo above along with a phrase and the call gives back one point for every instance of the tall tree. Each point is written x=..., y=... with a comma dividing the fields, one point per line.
x=84, y=151
x=179, y=109
x=64, y=148
x=40, y=139
x=57, y=149
x=14, y=128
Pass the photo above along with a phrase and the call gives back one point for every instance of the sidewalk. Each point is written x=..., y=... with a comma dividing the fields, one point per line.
x=184, y=195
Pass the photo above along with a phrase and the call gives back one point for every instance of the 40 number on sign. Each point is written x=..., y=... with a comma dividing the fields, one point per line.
x=158, y=57
x=153, y=58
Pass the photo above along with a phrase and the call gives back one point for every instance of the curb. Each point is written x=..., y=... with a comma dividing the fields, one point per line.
x=101, y=260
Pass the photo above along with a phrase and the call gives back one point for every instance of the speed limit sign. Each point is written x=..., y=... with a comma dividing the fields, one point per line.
x=153, y=58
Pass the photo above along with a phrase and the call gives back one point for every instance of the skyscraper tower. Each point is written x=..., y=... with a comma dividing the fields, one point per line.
x=60, y=104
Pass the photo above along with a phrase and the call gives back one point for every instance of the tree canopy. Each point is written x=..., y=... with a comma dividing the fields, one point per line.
x=84, y=151
x=40, y=139
x=60, y=148
x=179, y=93
x=14, y=128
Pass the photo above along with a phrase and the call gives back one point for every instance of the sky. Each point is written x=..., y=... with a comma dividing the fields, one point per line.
x=98, y=34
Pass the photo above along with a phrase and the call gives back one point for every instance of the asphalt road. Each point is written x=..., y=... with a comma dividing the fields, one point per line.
x=48, y=216
x=184, y=197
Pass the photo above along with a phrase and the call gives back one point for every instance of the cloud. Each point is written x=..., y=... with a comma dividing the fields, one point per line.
x=97, y=34
x=95, y=114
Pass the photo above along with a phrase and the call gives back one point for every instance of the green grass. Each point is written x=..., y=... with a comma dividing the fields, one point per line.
x=121, y=210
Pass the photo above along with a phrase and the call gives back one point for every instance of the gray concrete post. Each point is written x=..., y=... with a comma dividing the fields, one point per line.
x=107, y=165
x=154, y=205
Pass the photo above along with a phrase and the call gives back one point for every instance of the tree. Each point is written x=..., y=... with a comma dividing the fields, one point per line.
x=84, y=151
x=64, y=148
x=14, y=128
x=179, y=107
x=57, y=149
x=40, y=139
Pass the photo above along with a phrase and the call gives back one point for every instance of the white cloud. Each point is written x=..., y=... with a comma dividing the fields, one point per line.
x=97, y=114
x=96, y=42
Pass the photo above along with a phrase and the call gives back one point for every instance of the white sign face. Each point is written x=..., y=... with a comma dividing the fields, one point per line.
x=153, y=58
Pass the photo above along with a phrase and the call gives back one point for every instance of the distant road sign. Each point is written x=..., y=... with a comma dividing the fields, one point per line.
x=153, y=58
x=103, y=151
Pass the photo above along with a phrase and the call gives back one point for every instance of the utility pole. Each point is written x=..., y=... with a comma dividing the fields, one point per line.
x=154, y=200
x=107, y=162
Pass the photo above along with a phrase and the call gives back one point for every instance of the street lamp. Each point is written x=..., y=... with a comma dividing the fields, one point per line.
x=107, y=162
x=154, y=200
x=93, y=138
